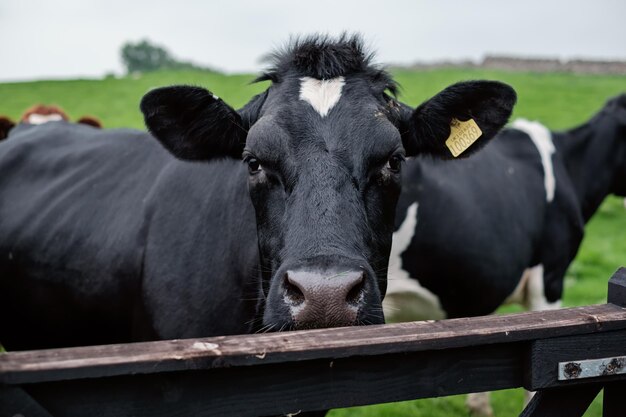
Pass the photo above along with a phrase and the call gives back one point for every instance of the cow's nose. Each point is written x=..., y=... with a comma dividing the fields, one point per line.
x=324, y=299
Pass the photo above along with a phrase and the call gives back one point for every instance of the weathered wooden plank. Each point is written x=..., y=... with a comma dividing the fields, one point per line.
x=284, y=388
x=617, y=288
x=562, y=402
x=613, y=402
x=547, y=353
x=248, y=350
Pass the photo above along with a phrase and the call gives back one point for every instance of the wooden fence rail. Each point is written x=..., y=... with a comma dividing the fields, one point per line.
x=568, y=355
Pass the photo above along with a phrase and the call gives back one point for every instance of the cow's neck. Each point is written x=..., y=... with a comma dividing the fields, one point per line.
x=591, y=153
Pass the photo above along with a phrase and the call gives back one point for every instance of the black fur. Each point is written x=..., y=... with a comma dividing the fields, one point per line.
x=324, y=57
x=193, y=124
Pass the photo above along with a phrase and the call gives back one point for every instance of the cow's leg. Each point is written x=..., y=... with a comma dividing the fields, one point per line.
x=479, y=404
x=536, y=301
x=535, y=292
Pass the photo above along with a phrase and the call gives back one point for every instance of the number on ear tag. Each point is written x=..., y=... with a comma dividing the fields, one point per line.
x=462, y=135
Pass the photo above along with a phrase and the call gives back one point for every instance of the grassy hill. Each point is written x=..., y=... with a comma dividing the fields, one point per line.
x=558, y=100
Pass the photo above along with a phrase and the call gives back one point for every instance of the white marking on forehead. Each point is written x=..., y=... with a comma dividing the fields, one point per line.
x=39, y=119
x=406, y=299
x=321, y=94
x=542, y=138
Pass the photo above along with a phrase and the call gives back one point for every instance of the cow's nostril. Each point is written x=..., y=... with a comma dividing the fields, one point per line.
x=293, y=291
x=356, y=292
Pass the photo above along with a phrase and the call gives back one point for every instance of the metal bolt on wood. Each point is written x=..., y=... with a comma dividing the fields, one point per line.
x=592, y=368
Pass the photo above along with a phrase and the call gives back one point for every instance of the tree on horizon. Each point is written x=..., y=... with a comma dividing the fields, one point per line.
x=145, y=56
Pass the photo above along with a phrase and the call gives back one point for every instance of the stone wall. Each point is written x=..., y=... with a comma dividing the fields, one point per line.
x=579, y=66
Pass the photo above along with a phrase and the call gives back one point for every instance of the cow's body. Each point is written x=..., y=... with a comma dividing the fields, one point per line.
x=511, y=235
x=106, y=241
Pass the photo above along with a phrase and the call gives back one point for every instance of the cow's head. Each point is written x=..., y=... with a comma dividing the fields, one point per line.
x=324, y=147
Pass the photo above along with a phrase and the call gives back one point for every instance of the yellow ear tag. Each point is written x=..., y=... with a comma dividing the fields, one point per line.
x=462, y=135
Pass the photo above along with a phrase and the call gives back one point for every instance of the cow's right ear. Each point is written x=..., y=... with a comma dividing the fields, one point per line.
x=193, y=124
x=6, y=124
x=476, y=109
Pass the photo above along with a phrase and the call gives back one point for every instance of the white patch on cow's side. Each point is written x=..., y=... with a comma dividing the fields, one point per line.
x=542, y=138
x=406, y=299
x=39, y=119
x=322, y=95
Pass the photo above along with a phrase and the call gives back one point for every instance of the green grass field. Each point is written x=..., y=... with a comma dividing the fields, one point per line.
x=558, y=100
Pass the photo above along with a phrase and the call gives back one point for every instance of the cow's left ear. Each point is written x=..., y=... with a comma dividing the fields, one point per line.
x=193, y=124
x=488, y=104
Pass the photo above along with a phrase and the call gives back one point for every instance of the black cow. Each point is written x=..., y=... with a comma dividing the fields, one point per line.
x=504, y=225
x=104, y=237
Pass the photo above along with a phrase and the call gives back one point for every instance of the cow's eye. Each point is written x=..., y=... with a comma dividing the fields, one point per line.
x=394, y=164
x=254, y=167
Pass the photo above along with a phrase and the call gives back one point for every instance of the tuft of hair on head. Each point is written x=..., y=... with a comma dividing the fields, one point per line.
x=90, y=121
x=43, y=110
x=6, y=125
x=324, y=57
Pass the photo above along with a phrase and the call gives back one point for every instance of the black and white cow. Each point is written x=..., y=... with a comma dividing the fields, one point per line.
x=504, y=225
x=104, y=237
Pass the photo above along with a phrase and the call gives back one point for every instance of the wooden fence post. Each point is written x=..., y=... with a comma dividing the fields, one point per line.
x=572, y=401
x=15, y=402
x=614, y=393
x=562, y=402
x=617, y=288
x=613, y=403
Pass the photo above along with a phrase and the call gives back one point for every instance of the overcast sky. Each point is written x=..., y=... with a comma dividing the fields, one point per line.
x=69, y=38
